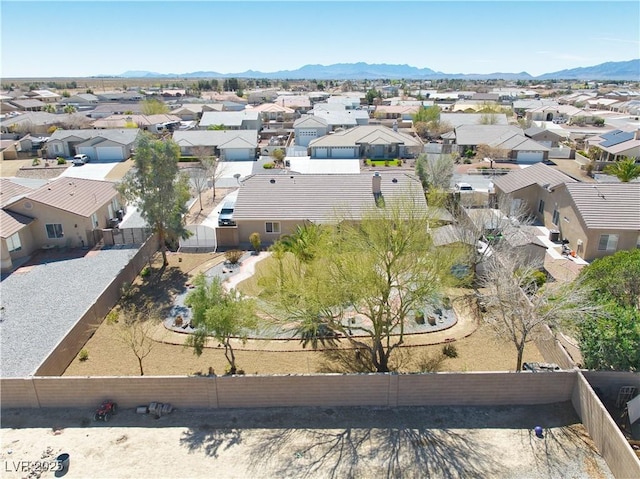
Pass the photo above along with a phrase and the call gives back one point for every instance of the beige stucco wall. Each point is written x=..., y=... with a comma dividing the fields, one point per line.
x=605, y=433
x=245, y=228
x=381, y=390
x=74, y=227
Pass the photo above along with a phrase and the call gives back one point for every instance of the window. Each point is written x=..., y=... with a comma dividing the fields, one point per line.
x=608, y=243
x=541, y=207
x=13, y=242
x=94, y=220
x=556, y=217
x=272, y=227
x=54, y=231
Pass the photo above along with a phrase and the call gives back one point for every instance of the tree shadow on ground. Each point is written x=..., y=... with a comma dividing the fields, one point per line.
x=558, y=447
x=403, y=442
x=159, y=288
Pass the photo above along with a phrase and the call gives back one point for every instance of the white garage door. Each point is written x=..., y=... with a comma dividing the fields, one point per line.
x=237, y=154
x=86, y=150
x=320, y=152
x=343, y=152
x=109, y=153
x=530, y=156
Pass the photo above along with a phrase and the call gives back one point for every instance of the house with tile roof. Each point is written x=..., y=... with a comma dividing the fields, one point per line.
x=98, y=145
x=227, y=145
x=64, y=213
x=510, y=139
x=376, y=142
x=273, y=205
x=338, y=117
x=594, y=219
x=273, y=111
x=231, y=120
x=308, y=128
x=615, y=145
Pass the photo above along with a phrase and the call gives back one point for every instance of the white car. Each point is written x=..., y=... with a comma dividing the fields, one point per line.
x=80, y=159
x=462, y=187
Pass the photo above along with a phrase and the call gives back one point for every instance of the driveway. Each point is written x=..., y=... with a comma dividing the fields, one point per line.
x=90, y=171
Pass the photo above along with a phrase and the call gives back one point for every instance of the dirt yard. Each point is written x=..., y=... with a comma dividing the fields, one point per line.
x=478, y=349
x=416, y=442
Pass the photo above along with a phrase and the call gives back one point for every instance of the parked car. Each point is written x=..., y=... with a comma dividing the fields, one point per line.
x=461, y=187
x=226, y=214
x=80, y=159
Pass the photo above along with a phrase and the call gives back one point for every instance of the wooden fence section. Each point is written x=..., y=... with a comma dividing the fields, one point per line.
x=382, y=390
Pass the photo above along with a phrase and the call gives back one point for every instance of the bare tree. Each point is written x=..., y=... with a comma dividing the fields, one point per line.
x=519, y=303
x=198, y=178
x=490, y=152
x=135, y=328
x=211, y=165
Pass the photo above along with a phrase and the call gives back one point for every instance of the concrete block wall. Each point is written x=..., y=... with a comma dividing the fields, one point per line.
x=551, y=349
x=383, y=390
x=605, y=433
x=483, y=389
x=312, y=390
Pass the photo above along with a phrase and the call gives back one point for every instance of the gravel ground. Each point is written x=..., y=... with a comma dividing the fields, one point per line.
x=332, y=442
x=41, y=303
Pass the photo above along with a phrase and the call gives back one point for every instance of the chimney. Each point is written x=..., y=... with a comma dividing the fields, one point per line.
x=395, y=125
x=376, y=183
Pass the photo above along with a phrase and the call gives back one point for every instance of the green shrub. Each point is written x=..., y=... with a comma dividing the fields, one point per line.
x=467, y=161
x=539, y=277
x=450, y=351
x=61, y=161
x=146, y=271
x=84, y=355
x=268, y=166
x=233, y=256
x=35, y=162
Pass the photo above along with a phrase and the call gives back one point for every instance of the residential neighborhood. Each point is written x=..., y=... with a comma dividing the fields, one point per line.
x=299, y=196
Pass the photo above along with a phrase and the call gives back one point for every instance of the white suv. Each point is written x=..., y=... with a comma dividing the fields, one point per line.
x=80, y=160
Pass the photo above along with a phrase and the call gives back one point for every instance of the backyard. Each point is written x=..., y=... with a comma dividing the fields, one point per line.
x=476, y=346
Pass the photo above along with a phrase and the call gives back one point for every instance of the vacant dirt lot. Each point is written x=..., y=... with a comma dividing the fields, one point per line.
x=437, y=442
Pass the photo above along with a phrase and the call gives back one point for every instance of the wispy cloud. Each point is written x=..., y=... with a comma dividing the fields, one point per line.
x=617, y=40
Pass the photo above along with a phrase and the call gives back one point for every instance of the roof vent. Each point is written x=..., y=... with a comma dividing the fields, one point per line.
x=272, y=181
x=395, y=180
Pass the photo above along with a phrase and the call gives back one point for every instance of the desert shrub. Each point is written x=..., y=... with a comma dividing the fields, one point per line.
x=268, y=166
x=450, y=351
x=430, y=364
x=84, y=355
x=146, y=271
x=233, y=256
x=61, y=161
x=467, y=161
x=35, y=162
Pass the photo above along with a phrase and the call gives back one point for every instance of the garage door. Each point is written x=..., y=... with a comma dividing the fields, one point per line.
x=530, y=156
x=237, y=154
x=320, y=152
x=86, y=150
x=109, y=153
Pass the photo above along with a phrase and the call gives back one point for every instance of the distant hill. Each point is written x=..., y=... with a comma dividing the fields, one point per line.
x=605, y=71
x=628, y=70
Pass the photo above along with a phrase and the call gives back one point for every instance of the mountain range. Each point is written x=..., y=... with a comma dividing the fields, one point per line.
x=628, y=70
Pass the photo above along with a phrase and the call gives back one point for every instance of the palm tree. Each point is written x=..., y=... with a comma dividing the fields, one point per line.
x=69, y=109
x=625, y=170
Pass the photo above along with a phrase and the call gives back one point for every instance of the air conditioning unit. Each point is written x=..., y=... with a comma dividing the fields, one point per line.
x=113, y=223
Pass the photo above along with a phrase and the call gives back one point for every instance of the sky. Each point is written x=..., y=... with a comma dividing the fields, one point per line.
x=101, y=37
